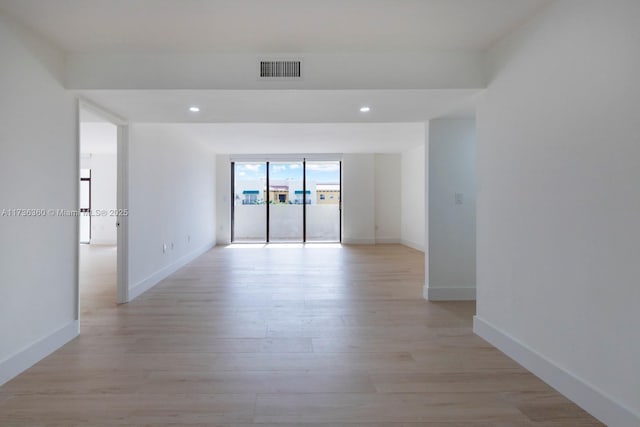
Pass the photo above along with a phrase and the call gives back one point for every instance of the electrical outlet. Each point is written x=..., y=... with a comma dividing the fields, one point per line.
x=459, y=198
x=164, y=248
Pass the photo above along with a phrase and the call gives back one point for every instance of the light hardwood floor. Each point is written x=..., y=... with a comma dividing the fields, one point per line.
x=313, y=336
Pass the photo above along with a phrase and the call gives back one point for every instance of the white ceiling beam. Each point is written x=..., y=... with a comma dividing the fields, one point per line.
x=435, y=70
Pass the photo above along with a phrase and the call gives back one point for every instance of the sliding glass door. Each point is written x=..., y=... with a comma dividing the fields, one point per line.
x=286, y=201
x=324, y=207
x=249, y=216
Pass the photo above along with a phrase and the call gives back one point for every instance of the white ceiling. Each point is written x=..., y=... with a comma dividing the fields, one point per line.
x=277, y=121
x=283, y=138
x=281, y=106
x=271, y=26
x=157, y=109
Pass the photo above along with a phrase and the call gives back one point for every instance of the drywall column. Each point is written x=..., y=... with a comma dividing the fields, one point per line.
x=358, y=198
x=452, y=209
x=413, y=198
x=388, y=198
x=559, y=204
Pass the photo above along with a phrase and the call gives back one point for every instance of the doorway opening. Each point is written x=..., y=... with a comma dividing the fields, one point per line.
x=286, y=201
x=102, y=209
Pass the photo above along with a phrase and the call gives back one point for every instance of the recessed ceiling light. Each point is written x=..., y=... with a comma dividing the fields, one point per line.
x=365, y=109
x=194, y=109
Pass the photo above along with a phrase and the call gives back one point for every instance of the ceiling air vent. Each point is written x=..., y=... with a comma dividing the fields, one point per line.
x=280, y=69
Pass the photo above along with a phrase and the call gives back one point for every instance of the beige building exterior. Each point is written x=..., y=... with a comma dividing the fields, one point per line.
x=328, y=194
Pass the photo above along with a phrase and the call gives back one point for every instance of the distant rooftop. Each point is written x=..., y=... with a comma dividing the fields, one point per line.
x=278, y=188
x=328, y=187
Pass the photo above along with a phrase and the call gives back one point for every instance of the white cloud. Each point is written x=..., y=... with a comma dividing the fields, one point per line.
x=323, y=167
x=253, y=167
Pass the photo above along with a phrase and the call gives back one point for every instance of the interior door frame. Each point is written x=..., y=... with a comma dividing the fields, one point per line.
x=122, y=189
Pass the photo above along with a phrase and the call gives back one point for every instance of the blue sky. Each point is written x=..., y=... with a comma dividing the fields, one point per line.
x=323, y=172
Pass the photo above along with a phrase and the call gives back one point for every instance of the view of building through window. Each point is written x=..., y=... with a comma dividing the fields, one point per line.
x=315, y=184
x=324, y=209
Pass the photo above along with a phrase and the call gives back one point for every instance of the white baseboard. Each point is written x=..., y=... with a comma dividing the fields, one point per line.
x=449, y=294
x=387, y=241
x=14, y=365
x=351, y=241
x=585, y=395
x=412, y=245
x=223, y=242
x=148, y=283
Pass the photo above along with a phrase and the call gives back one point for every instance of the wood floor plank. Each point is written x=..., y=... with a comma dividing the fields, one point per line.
x=204, y=344
x=280, y=336
x=414, y=407
x=452, y=382
x=243, y=382
x=76, y=381
x=127, y=409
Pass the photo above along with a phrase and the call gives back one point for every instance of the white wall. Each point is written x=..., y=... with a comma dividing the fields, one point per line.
x=413, y=166
x=104, y=180
x=285, y=222
x=38, y=170
x=452, y=221
x=250, y=223
x=358, y=198
x=388, y=198
x=323, y=222
x=559, y=203
x=172, y=201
